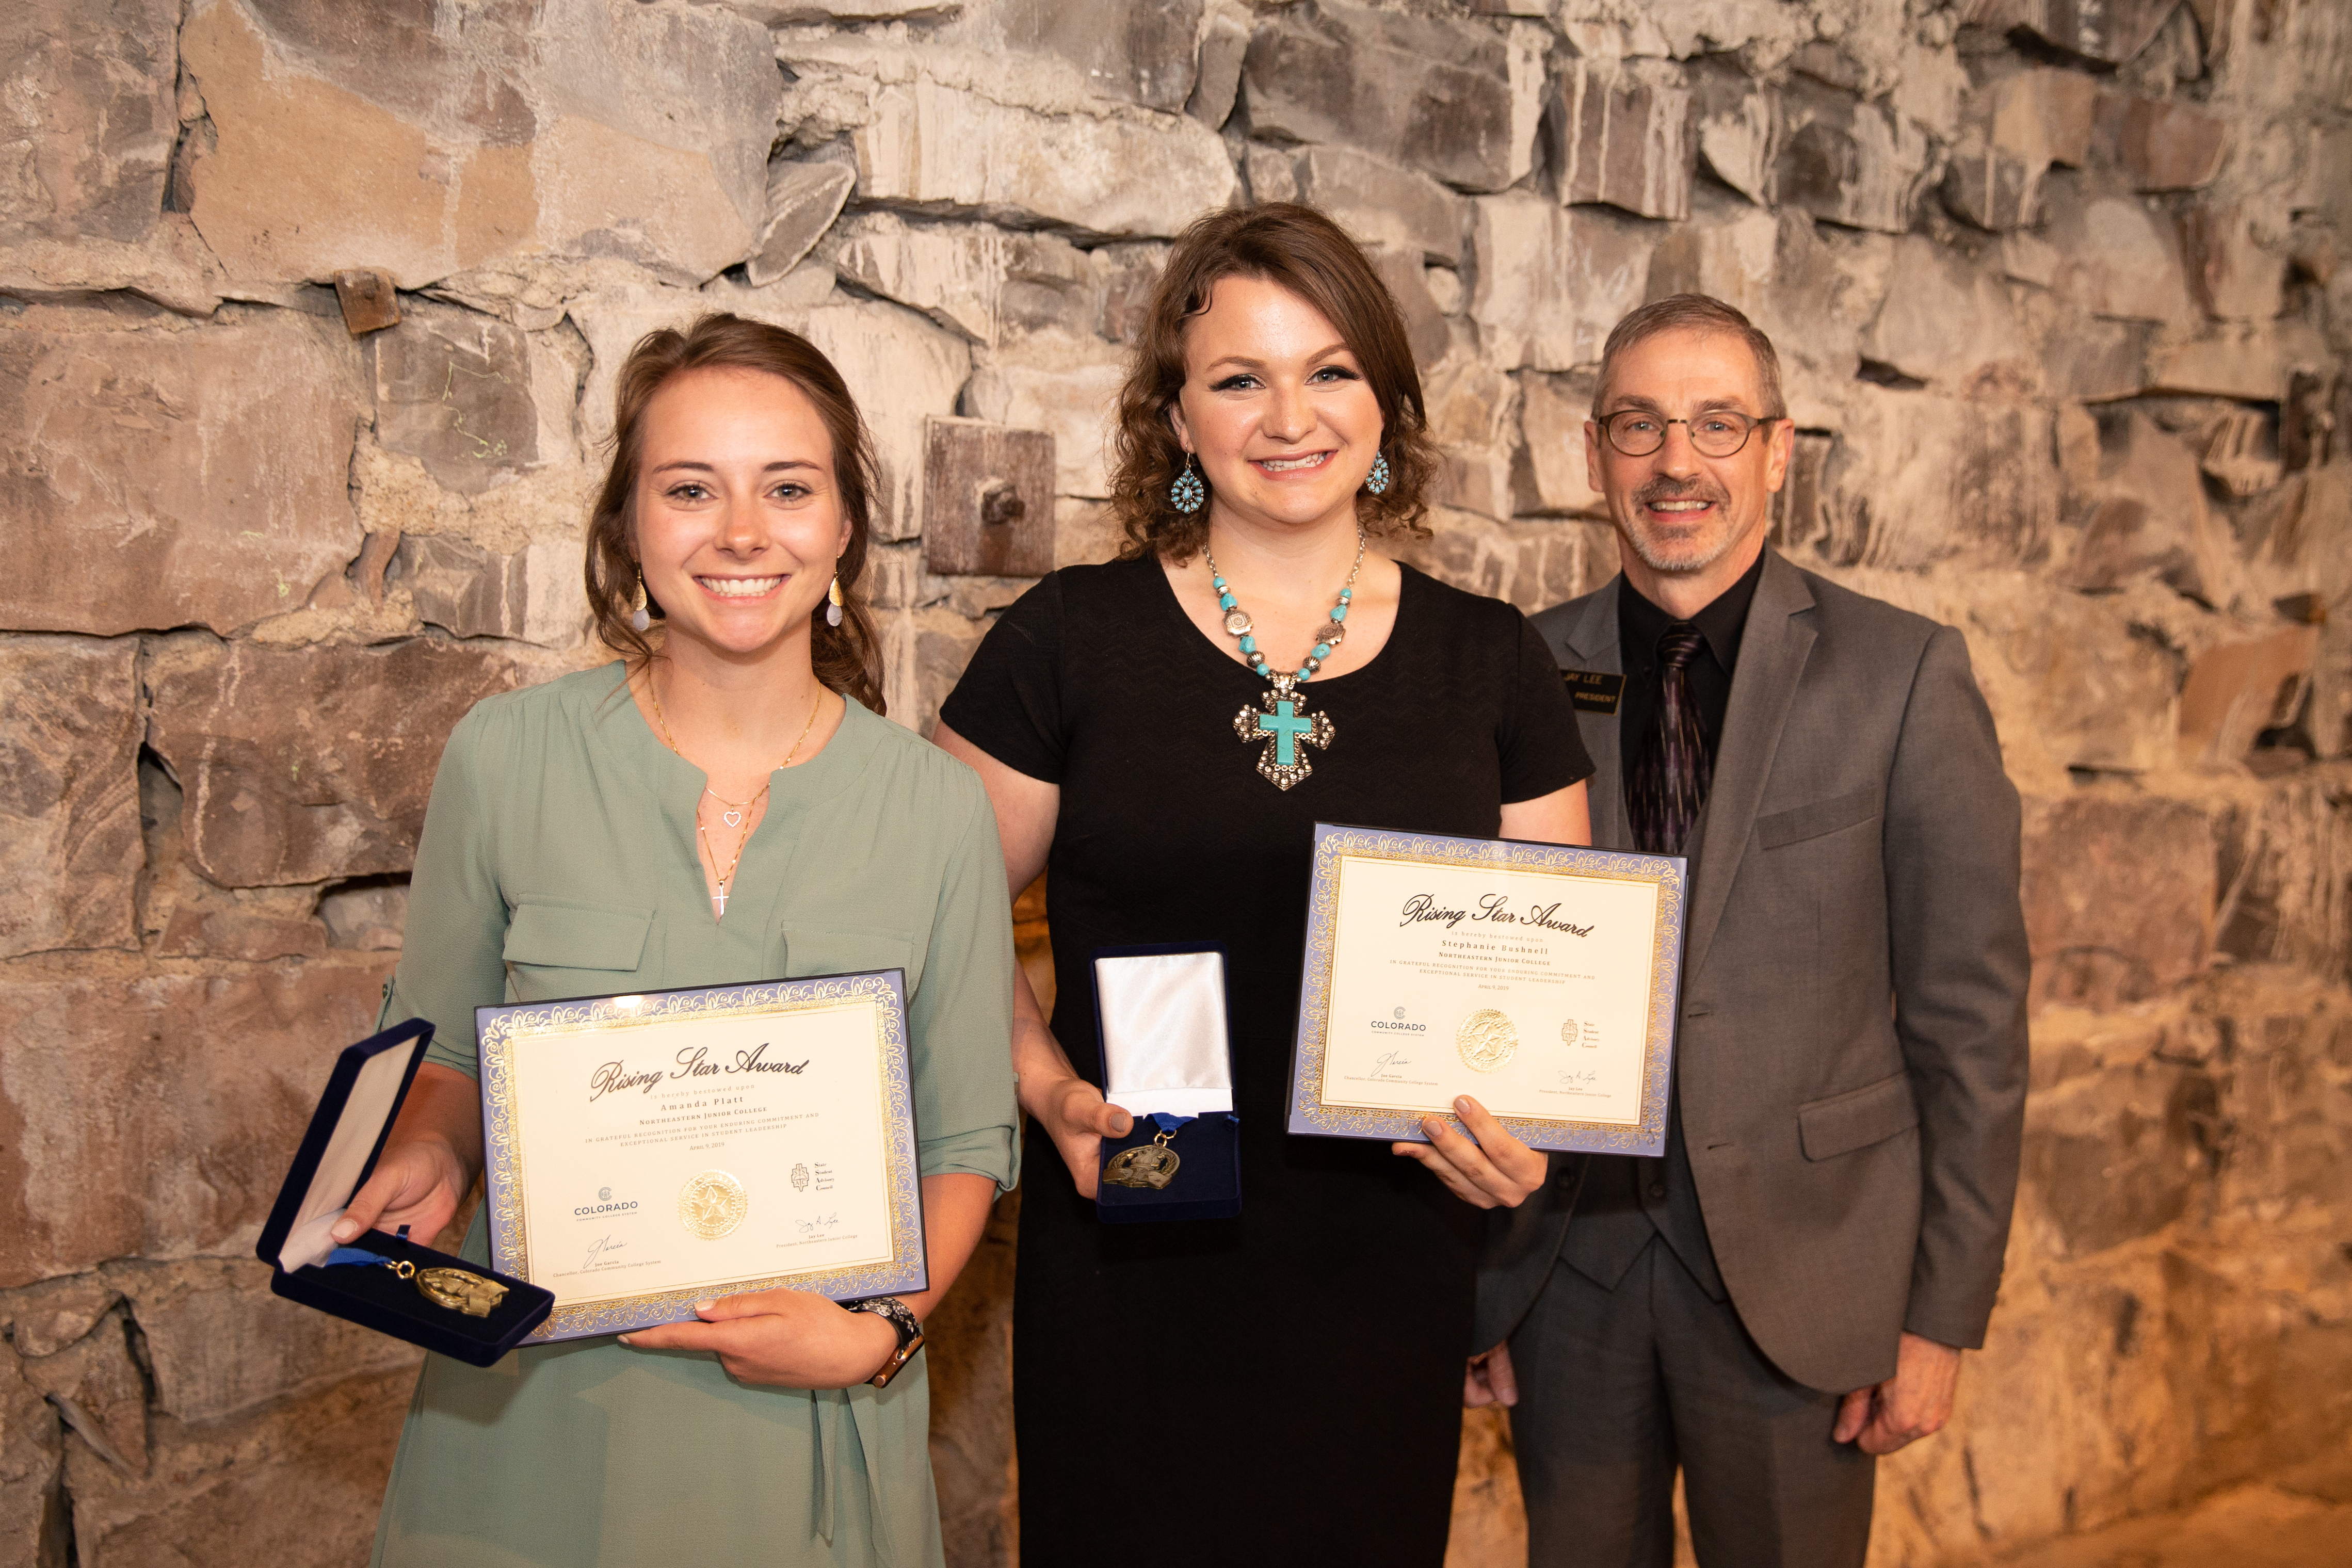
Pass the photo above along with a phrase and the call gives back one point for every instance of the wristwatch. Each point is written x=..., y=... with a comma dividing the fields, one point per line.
x=910, y=1334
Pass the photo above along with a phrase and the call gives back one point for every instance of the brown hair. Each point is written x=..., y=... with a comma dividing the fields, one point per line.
x=847, y=658
x=1695, y=313
x=1303, y=251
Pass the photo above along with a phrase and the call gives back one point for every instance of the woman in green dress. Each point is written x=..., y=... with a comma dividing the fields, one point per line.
x=724, y=804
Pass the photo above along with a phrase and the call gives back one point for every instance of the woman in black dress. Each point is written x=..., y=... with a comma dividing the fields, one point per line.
x=1283, y=1386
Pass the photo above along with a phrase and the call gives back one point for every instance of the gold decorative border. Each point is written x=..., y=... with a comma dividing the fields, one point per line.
x=1308, y=1112
x=502, y=1029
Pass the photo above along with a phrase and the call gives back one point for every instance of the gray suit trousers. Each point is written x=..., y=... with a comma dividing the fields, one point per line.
x=1620, y=1387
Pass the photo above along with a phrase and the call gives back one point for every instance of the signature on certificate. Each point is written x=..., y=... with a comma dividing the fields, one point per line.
x=1584, y=1079
x=818, y=1225
x=602, y=1245
x=1388, y=1063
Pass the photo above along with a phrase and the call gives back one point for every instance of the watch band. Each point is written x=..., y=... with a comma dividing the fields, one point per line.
x=903, y=1322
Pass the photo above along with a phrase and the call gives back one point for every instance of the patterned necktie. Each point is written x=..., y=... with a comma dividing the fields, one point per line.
x=1670, y=781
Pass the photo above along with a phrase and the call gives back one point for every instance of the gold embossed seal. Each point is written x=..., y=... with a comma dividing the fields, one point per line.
x=711, y=1204
x=1486, y=1039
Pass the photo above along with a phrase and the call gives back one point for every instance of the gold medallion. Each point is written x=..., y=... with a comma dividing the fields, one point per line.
x=460, y=1290
x=1486, y=1039
x=1152, y=1165
x=712, y=1204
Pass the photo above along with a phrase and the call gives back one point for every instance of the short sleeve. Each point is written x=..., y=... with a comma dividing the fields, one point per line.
x=1541, y=747
x=1009, y=702
x=454, y=958
x=960, y=1019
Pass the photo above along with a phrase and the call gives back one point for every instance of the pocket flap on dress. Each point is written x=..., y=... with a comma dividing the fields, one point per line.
x=1858, y=1118
x=837, y=951
x=577, y=935
x=1820, y=817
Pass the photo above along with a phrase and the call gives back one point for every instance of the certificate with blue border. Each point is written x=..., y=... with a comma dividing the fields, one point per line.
x=1540, y=980
x=647, y=1152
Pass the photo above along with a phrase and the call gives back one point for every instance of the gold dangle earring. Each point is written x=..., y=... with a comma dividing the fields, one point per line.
x=832, y=601
x=640, y=617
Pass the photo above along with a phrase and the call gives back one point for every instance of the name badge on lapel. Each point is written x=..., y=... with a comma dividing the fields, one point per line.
x=1593, y=691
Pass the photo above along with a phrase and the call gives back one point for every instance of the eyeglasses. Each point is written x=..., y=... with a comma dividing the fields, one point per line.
x=1637, y=431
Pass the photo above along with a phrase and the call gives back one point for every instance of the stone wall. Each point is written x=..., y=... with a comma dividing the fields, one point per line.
x=310, y=315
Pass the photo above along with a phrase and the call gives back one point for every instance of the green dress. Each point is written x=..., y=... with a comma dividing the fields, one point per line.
x=559, y=860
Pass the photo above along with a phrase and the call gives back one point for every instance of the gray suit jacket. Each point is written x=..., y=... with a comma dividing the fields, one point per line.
x=1852, y=1053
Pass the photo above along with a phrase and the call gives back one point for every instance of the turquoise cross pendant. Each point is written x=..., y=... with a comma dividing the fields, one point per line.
x=1282, y=722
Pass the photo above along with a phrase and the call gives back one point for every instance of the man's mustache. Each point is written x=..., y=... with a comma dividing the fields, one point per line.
x=1672, y=490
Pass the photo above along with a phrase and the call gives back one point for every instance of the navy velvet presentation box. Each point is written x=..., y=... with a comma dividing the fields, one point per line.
x=346, y=1137
x=1208, y=1181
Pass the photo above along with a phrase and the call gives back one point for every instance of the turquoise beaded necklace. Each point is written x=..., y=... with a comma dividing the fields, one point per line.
x=1280, y=719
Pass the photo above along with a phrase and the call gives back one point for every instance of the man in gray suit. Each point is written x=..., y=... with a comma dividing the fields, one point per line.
x=1785, y=1294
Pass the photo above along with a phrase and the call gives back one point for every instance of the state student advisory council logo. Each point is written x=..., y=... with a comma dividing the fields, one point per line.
x=604, y=1205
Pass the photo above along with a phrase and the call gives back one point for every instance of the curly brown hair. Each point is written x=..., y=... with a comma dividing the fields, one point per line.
x=1301, y=250
x=847, y=658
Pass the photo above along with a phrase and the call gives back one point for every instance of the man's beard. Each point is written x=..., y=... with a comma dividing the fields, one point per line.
x=1692, y=554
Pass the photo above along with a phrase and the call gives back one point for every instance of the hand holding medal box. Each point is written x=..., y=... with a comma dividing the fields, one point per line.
x=1167, y=1061
x=1539, y=980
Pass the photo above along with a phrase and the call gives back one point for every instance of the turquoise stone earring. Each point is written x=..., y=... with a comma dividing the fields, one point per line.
x=1377, y=481
x=1187, y=494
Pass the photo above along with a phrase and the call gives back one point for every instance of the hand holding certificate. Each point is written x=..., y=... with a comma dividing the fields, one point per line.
x=645, y=1153
x=1540, y=980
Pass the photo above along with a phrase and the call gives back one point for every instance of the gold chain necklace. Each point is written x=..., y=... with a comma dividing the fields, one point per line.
x=736, y=812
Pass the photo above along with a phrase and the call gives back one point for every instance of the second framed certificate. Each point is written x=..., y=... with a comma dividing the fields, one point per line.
x=644, y=1153
x=1540, y=980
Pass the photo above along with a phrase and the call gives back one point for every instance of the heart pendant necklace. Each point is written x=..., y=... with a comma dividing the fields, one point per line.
x=733, y=813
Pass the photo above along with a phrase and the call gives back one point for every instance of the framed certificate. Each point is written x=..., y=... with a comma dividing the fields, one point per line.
x=647, y=1152
x=1540, y=980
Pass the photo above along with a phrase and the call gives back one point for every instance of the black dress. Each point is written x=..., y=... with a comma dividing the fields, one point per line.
x=1284, y=1385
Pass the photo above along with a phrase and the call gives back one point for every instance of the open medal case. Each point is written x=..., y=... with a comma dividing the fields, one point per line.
x=346, y=1137
x=1167, y=1052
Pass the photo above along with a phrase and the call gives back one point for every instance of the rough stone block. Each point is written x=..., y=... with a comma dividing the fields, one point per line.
x=190, y=1091
x=193, y=477
x=1424, y=324
x=803, y=199
x=923, y=655
x=1534, y=565
x=1142, y=51
x=1860, y=164
x=2169, y=146
x=2251, y=359
x=2238, y=690
x=453, y=390
x=195, y=933
x=368, y=918
x=1218, y=81
x=1552, y=474
x=1064, y=386
x=1949, y=324
x=2123, y=1173
x=2069, y=685
x=2110, y=31
x=2241, y=457
x=1990, y=188
x=1736, y=127
x=69, y=846
x=2119, y=894
x=2117, y=259
x=305, y=765
x=988, y=499
x=2044, y=115
x=86, y=141
x=1383, y=204
x=298, y=1485
x=2148, y=516
x=1915, y=479
x=1128, y=273
x=1551, y=282
x=1272, y=174
x=939, y=146
x=971, y=279
x=2233, y=277
x=34, y=1525
x=586, y=128
x=44, y=1319
x=1433, y=93
x=1620, y=135
x=219, y=1345
x=99, y=1391
x=535, y=595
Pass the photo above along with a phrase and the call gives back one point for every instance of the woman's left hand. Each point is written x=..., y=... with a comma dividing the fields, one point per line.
x=789, y=1339
x=1496, y=1172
